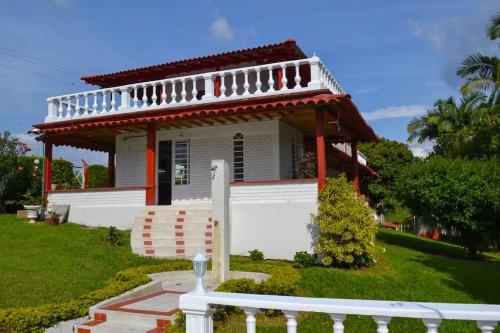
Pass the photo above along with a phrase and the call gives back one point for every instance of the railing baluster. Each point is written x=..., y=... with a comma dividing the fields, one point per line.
x=144, y=96
x=195, y=90
x=86, y=110
x=77, y=107
x=487, y=326
x=136, y=99
x=94, y=106
x=163, y=93
x=183, y=90
x=222, y=85
x=234, y=86
x=382, y=322
x=291, y=323
x=113, y=100
x=258, y=83
x=251, y=321
x=338, y=322
x=68, y=108
x=103, y=104
x=432, y=325
x=246, y=85
x=297, y=75
x=284, y=80
x=154, y=98
x=174, y=94
x=270, y=82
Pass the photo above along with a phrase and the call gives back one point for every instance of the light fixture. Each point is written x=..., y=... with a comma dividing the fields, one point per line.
x=200, y=268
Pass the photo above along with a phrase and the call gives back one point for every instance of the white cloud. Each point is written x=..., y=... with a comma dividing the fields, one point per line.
x=402, y=111
x=421, y=150
x=74, y=155
x=221, y=31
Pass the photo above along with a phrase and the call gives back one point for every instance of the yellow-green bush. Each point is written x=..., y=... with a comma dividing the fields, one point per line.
x=36, y=319
x=346, y=226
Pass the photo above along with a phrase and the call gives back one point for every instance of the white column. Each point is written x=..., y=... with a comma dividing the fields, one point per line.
x=382, y=323
x=52, y=110
x=194, y=92
x=251, y=321
x=338, y=322
x=209, y=87
x=291, y=323
x=220, y=216
x=198, y=314
x=125, y=99
x=487, y=326
x=432, y=325
x=315, y=73
x=246, y=85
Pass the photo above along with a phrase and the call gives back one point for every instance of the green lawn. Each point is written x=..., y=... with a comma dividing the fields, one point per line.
x=41, y=264
x=409, y=268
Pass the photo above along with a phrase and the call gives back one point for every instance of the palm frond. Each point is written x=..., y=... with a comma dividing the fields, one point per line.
x=494, y=26
x=480, y=65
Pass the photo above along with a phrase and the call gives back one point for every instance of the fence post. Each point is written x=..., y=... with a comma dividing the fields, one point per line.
x=198, y=314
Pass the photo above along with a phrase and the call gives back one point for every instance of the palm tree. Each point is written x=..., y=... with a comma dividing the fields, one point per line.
x=494, y=27
x=450, y=124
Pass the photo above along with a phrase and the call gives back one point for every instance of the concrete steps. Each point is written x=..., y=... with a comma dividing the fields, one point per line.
x=124, y=322
x=173, y=231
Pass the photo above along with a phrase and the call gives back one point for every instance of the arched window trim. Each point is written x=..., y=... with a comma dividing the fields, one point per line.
x=238, y=157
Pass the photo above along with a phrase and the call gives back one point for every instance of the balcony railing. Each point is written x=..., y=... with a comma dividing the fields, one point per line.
x=199, y=313
x=230, y=84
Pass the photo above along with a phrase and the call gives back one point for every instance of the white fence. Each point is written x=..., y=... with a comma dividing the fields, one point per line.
x=199, y=313
x=194, y=89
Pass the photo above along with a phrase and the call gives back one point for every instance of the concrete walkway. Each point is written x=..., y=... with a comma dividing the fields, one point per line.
x=148, y=308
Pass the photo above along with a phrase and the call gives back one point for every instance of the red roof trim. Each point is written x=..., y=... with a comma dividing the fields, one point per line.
x=105, y=80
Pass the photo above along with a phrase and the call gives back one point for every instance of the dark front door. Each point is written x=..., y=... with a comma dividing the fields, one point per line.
x=165, y=173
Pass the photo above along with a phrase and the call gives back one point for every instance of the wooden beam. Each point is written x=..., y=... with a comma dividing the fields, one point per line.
x=151, y=165
x=320, y=148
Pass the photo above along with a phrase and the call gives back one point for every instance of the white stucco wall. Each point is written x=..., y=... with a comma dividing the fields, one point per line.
x=102, y=208
x=286, y=135
x=274, y=218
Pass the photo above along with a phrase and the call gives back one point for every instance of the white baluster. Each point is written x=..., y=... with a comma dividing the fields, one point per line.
x=183, y=90
x=432, y=325
x=246, y=85
x=164, y=93
x=271, y=79
x=113, y=100
x=291, y=323
x=258, y=83
x=382, y=322
x=174, y=94
x=68, y=108
x=94, y=106
x=77, y=107
x=86, y=109
x=284, y=80
x=338, y=322
x=222, y=85
x=297, y=76
x=103, y=104
x=234, y=86
x=209, y=87
x=154, y=98
x=136, y=99
x=60, y=109
x=195, y=90
x=251, y=321
x=144, y=96
x=487, y=326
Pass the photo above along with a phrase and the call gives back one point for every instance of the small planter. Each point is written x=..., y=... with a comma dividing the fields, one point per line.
x=52, y=221
x=32, y=212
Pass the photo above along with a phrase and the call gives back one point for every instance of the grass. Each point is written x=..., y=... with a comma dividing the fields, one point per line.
x=409, y=268
x=40, y=264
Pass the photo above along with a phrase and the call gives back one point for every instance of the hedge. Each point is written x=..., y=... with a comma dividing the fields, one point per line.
x=38, y=318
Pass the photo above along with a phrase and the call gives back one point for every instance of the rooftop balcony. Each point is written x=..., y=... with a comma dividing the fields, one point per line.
x=229, y=84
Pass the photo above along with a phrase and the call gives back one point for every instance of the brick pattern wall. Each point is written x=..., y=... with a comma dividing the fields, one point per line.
x=131, y=162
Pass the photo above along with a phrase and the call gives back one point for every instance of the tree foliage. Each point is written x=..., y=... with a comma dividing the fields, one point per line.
x=345, y=224
x=98, y=176
x=455, y=193
x=387, y=157
x=63, y=175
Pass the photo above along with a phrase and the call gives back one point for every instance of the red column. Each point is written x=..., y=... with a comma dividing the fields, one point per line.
x=47, y=169
x=151, y=165
x=354, y=159
x=320, y=148
x=111, y=169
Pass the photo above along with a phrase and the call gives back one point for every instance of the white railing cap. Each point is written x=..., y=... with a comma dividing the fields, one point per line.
x=480, y=312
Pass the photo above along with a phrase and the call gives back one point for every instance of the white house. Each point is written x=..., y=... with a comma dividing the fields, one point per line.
x=259, y=109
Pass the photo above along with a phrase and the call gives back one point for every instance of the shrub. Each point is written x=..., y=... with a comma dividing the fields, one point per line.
x=63, y=175
x=256, y=255
x=346, y=226
x=36, y=319
x=98, y=176
x=306, y=167
x=304, y=259
x=113, y=236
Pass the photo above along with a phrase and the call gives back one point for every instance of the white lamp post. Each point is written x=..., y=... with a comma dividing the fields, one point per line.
x=200, y=268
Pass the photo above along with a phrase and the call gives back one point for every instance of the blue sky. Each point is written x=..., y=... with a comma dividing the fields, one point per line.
x=395, y=57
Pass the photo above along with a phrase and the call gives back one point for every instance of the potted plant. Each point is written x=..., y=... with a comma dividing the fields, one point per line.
x=52, y=218
x=32, y=204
